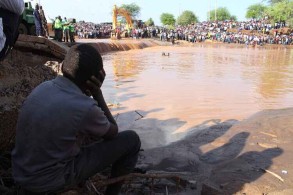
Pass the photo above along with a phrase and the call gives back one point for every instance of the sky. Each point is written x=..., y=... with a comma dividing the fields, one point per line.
x=98, y=11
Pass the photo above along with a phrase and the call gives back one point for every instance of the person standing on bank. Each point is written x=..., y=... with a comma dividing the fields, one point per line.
x=38, y=21
x=58, y=28
x=55, y=119
x=71, y=32
x=44, y=22
x=65, y=30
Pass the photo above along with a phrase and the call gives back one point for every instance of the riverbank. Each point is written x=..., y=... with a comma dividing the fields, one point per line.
x=156, y=42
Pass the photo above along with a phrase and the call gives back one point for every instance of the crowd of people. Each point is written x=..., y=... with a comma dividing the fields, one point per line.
x=89, y=30
x=250, y=32
x=64, y=29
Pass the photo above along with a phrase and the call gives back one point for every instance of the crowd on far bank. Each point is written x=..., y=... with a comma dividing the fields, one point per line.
x=253, y=32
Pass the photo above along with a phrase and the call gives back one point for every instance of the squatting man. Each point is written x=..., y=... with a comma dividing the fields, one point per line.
x=56, y=118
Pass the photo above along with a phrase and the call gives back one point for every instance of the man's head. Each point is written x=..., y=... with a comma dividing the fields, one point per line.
x=82, y=62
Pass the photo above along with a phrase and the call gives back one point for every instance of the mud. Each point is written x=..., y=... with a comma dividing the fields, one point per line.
x=231, y=156
x=107, y=45
x=32, y=61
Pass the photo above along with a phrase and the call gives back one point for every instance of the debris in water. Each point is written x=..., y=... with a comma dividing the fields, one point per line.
x=141, y=116
x=269, y=134
x=116, y=117
x=273, y=174
x=264, y=145
x=113, y=105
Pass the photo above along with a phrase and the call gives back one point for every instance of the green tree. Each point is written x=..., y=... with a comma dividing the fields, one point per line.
x=167, y=19
x=222, y=13
x=256, y=11
x=275, y=1
x=133, y=9
x=233, y=17
x=187, y=17
x=281, y=11
x=150, y=22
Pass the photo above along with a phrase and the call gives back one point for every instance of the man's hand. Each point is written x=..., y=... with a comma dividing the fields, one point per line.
x=94, y=84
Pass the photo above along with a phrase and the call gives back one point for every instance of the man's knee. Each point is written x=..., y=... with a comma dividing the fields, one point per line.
x=132, y=137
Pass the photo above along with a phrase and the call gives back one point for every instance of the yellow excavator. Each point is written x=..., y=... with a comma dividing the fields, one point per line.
x=121, y=12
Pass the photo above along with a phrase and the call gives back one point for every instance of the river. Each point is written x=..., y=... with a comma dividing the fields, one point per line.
x=194, y=87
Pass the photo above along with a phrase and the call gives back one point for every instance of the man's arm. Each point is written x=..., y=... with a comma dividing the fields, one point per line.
x=95, y=90
x=113, y=129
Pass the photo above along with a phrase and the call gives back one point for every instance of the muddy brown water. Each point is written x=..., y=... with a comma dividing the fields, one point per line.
x=194, y=87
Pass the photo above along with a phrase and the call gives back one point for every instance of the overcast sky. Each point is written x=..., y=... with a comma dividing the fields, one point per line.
x=100, y=10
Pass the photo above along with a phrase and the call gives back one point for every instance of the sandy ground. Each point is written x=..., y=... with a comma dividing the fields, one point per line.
x=249, y=157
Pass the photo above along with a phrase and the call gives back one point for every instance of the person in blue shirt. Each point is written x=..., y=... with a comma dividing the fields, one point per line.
x=38, y=21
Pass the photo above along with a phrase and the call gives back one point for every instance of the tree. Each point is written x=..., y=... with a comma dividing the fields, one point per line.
x=222, y=13
x=233, y=17
x=275, y=1
x=187, y=17
x=282, y=11
x=256, y=11
x=150, y=22
x=133, y=9
x=167, y=19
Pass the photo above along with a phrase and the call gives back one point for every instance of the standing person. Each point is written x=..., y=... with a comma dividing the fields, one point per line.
x=71, y=32
x=49, y=153
x=65, y=30
x=58, y=29
x=44, y=22
x=38, y=22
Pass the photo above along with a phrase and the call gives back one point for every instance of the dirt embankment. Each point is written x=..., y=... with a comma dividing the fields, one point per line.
x=121, y=45
x=32, y=61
